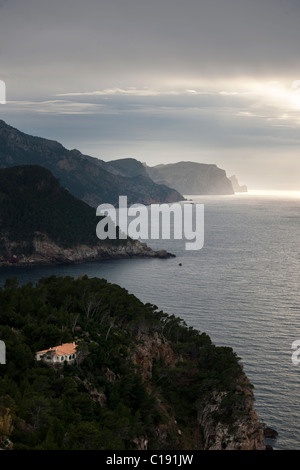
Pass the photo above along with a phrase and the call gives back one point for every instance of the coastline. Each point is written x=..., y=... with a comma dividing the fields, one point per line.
x=47, y=253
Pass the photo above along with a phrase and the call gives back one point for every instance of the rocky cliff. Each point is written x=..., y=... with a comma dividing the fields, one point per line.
x=243, y=432
x=87, y=178
x=47, y=252
x=142, y=378
x=42, y=223
x=224, y=420
x=191, y=178
x=237, y=187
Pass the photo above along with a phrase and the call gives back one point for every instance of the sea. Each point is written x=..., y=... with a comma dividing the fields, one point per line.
x=241, y=288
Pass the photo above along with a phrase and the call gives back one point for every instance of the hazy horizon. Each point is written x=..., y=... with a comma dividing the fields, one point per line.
x=213, y=82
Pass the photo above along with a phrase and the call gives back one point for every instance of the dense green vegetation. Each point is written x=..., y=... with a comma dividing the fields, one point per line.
x=102, y=401
x=32, y=200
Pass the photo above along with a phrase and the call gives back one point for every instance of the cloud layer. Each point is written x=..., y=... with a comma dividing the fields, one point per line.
x=215, y=81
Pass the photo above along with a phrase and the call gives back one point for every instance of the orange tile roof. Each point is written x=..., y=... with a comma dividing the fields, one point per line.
x=66, y=348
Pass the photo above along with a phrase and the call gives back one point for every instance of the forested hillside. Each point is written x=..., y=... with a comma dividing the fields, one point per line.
x=143, y=378
x=42, y=223
x=32, y=200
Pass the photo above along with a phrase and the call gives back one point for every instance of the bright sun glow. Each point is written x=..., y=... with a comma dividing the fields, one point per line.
x=289, y=97
x=275, y=94
x=274, y=193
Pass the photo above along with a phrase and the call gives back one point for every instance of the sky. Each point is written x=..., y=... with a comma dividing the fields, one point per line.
x=162, y=81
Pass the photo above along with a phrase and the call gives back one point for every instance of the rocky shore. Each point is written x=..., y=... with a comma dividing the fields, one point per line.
x=245, y=432
x=47, y=252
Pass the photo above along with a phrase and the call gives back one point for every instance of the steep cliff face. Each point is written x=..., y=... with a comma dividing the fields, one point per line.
x=223, y=420
x=237, y=187
x=244, y=432
x=150, y=349
x=192, y=178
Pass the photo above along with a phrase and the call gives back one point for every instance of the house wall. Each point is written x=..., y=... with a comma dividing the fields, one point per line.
x=55, y=359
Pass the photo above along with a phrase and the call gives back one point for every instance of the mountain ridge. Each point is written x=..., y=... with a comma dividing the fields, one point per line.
x=83, y=176
x=96, y=181
x=42, y=223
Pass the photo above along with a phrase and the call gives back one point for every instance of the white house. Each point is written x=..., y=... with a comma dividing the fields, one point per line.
x=58, y=354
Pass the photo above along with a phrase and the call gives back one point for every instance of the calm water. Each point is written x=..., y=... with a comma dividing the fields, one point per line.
x=242, y=289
